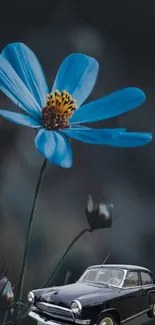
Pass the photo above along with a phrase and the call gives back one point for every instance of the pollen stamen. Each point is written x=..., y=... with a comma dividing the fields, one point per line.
x=59, y=108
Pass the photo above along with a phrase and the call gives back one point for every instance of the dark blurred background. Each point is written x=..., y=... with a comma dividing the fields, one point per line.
x=120, y=35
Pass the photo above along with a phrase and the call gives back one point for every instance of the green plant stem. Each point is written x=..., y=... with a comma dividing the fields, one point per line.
x=5, y=318
x=32, y=214
x=67, y=250
x=64, y=255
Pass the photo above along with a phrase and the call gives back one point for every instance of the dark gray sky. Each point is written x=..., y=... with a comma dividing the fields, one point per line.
x=120, y=35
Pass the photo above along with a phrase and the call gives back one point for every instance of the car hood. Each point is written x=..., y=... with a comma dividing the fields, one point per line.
x=84, y=292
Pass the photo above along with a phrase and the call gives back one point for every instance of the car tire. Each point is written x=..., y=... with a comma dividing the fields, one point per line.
x=151, y=313
x=106, y=319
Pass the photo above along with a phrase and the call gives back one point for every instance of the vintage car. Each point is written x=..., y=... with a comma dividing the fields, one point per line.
x=104, y=295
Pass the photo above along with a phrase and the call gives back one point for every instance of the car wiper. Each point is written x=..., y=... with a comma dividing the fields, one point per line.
x=103, y=284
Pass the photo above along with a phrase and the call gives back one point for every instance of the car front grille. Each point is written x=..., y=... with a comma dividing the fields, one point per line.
x=55, y=311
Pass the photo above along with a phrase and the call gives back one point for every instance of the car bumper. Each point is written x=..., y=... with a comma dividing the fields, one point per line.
x=42, y=321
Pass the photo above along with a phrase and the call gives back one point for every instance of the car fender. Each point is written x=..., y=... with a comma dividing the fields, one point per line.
x=113, y=311
x=39, y=292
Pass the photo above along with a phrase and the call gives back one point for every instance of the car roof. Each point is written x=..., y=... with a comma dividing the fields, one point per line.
x=122, y=266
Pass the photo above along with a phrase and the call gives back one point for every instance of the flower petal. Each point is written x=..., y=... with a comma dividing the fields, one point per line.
x=55, y=147
x=131, y=139
x=111, y=137
x=79, y=126
x=28, y=68
x=14, y=88
x=77, y=74
x=109, y=106
x=20, y=118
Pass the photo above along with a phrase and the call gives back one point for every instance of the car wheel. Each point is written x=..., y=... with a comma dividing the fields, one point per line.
x=151, y=313
x=107, y=319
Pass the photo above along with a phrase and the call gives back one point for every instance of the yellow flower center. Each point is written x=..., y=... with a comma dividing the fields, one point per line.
x=59, y=108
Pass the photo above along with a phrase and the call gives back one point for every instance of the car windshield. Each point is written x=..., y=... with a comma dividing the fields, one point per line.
x=103, y=276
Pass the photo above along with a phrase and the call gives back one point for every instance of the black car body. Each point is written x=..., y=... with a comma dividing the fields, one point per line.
x=105, y=294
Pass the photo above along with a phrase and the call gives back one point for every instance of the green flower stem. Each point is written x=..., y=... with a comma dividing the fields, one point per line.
x=5, y=318
x=65, y=253
x=67, y=250
x=22, y=273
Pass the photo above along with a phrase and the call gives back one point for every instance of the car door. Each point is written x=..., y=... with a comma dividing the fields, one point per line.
x=148, y=287
x=131, y=302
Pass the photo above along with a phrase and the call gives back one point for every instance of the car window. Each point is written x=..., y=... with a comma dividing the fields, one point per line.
x=104, y=275
x=91, y=275
x=146, y=278
x=113, y=276
x=131, y=279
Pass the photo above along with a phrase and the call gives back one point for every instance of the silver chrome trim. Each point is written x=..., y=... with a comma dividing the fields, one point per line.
x=41, y=320
x=69, y=317
x=55, y=306
x=125, y=273
x=79, y=305
x=82, y=321
x=31, y=296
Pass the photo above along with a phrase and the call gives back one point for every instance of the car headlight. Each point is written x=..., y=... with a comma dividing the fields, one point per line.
x=31, y=296
x=76, y=307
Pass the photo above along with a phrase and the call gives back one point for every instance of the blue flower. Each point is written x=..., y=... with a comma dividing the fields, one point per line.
x=57, y=116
